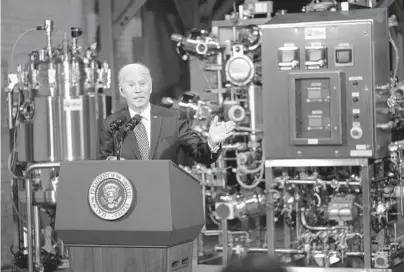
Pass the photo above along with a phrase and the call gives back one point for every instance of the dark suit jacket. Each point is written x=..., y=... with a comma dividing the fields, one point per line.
x=169, y=133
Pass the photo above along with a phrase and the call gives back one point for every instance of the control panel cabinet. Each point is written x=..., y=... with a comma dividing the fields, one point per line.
x=322, y=80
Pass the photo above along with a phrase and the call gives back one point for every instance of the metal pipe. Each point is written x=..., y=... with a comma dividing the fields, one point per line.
x=348, y=254
x=402, y=199
x=307, y=226
x=401, y=193
x=42, y=165
x=221, y=164
x=225, y=236
x=219, y=80
x=10, y=109
x=287, y=251
x=400, y=174
x=29, y=224
x=28, y=190
x=298, y=222
x=253, y=114
x=200, y=242
x=212, y=232
x=49, y=31
x=263, y=250
x=318, y=182
x=37, y=237
x=366, y=175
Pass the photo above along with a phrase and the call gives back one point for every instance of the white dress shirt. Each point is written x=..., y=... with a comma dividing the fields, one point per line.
x=146, y=117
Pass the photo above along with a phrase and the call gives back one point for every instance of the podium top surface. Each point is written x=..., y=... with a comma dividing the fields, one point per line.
x=127, y=203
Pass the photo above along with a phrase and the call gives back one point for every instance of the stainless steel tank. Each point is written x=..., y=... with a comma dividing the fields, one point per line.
x=55, y=115
x=60, y=118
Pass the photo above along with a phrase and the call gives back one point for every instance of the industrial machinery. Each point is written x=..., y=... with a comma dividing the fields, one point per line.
x=56, y=102
x=225, y=70
x=325, y=75
x=330, y=162
x=333, y=196
x=310, y=174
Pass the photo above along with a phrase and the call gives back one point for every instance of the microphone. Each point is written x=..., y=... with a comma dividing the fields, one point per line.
x=132, y=123
x=128, y=126
x=115, y=126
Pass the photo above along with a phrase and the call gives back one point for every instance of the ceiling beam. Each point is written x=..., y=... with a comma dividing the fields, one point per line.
x=384, y=3
x=189, y=13
x=124, y=15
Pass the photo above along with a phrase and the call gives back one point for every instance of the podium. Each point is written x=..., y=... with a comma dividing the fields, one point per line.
x=128, y=215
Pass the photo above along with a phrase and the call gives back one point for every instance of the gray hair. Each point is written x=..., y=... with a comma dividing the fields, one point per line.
x=131, y=68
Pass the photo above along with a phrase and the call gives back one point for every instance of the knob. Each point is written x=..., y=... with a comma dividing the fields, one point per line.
x=356, y=133
x=355, y=116
x=355, y=99
x=75, y=32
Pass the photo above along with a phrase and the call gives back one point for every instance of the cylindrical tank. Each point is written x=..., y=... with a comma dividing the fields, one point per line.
x=96, y=73
x=67, y=106
x=73, y=104
x=59, y=110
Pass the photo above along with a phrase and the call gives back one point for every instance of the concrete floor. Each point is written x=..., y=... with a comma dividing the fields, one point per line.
x=205, y=268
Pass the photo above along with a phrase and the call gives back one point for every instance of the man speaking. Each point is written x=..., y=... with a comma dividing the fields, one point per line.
x=160, y=132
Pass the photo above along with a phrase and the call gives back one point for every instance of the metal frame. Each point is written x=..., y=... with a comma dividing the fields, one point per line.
x=122, y=17
x=33, y=215
x=366, y=176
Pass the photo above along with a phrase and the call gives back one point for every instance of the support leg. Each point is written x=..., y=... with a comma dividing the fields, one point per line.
x=270, y=212
x=366, y=175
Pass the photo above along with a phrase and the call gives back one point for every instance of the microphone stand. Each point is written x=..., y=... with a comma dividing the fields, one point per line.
x=122, y=136
x=114, y=131
x=118, y=152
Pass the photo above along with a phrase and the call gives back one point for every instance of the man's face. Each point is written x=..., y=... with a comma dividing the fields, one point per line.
x=136, y=88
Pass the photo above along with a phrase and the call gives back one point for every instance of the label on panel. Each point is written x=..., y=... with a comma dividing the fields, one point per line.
x=315, y=33
x=75, y=104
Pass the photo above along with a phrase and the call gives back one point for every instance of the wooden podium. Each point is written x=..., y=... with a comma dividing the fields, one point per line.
x=121, y=216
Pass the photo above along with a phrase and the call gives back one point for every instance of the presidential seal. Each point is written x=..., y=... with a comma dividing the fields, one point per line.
x=111, y=196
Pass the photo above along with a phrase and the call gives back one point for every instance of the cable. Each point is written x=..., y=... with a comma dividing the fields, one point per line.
x=20, y=37
x=393, y=44
x=16, y=43
x=11, y=157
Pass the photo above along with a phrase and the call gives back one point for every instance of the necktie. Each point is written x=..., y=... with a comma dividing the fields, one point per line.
x=142, y=139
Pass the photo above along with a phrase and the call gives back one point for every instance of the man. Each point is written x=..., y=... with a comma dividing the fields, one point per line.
x=161, y=132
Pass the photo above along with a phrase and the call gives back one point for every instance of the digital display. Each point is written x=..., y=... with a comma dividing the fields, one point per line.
x=314, y=94
x=314, y=54
x=288, y=55
x=315, y=122
x=313, y=119
x=343, y=56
